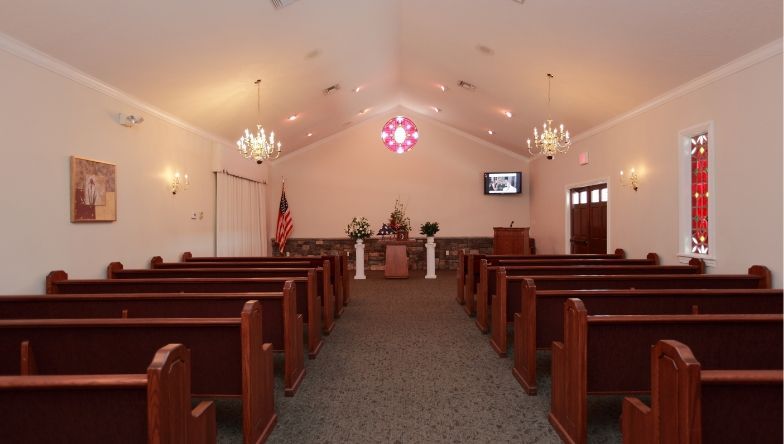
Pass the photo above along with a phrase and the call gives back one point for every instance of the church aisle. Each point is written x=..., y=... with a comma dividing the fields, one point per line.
x=405, y=364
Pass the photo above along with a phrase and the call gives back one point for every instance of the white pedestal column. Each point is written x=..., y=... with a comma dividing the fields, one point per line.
x=359, y=272
x=431, y=258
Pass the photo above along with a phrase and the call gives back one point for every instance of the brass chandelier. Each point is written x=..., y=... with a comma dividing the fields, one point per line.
x=258, y=146
x=551, y=140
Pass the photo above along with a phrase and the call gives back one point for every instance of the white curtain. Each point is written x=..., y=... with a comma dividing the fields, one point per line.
x=239, y=227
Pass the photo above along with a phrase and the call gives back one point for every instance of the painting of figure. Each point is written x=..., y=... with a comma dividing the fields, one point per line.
x=93, y=191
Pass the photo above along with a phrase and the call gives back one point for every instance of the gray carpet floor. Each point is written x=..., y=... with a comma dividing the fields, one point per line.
x=406, y=365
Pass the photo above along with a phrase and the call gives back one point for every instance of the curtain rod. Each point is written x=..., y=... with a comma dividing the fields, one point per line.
x=263, y=182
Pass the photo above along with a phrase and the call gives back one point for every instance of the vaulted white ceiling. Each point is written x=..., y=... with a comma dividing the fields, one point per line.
x=198, y=59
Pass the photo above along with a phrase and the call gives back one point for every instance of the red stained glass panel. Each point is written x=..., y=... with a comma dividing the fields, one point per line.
x=699, y=194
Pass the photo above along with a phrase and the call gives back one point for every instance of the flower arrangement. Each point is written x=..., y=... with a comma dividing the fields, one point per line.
x=359, y=229
x=398, y=220
x=429, y=228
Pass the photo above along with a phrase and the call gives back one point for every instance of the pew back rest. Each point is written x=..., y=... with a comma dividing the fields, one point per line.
x=549, y=304
x=152, y=305
x=118, y=346
x=617, y=347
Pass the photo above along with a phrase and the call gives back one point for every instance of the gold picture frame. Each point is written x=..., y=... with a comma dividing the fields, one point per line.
x=93, y=190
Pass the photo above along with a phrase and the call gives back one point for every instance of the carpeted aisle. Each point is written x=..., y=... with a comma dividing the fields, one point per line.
x=405, y=364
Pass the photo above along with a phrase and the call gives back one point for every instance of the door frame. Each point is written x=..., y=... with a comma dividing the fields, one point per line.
x=568, y=214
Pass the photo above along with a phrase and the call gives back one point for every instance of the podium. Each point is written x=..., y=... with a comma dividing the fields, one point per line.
x=396, y=260
x=511, y=241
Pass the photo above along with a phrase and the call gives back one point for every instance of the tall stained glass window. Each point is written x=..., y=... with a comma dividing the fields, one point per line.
x=700, y=194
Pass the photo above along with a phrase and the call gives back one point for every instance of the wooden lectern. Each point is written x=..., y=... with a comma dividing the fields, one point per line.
x=511, y=241
x=396, y=260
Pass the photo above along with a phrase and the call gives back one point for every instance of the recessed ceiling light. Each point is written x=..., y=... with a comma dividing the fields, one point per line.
x=437, y=109
x=356, y=90
x=508, y=114
x=364, y=111
x=491, y=132
x=293, y=117
x=310, y=134
x=519, y=1
x=443, y=88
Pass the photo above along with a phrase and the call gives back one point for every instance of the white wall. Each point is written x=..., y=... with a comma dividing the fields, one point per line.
x=746, y=109
x=44, y=119
x=352, y=174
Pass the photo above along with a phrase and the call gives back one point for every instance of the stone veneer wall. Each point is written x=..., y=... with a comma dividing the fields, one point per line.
x=446, y=250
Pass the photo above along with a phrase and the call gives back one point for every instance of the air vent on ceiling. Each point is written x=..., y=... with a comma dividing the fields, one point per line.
x=465, y=85
x=331, y=89
x=280, y=4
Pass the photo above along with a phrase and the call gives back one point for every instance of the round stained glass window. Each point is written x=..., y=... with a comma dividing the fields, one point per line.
x=399, y=134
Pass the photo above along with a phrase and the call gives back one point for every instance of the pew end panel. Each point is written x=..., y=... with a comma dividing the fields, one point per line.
x=620, y=253
x=202, y=427
x=568, y=407
x=294, y=364
x=460, y=275
x=764, y=274
x=498, y=321
x=345, y=278
x=258, y=399
x=53, y=278
x=156, y=261
x=113, y=268
x=186, y=256
x=654, y=258
x=637, y=422
x=524, y=368
x=482, y=300
x=313, y=302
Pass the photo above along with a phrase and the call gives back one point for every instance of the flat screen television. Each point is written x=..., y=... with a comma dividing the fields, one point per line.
x=504, y=182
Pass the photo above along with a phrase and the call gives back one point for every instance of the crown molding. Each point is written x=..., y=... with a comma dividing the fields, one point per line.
x=750, y=59
x=43, y=60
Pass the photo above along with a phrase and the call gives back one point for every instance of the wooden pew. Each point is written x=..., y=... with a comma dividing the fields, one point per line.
x=308, y=302
x=281, y=325
x=487, y=286
x=693, y=405
x=610, y=354
x=324, y=287
x=340, y=280
x=228, y=357
x=336, y=276
x=540, y=321
x=152, y=407
x=467, y=281
x=504, y=307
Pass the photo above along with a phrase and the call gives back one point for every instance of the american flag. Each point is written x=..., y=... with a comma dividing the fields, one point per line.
x=285, y=225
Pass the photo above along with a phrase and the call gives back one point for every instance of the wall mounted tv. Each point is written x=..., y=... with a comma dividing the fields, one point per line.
x=504, y=182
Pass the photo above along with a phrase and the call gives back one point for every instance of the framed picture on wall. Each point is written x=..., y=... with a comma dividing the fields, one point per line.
x=93, y=191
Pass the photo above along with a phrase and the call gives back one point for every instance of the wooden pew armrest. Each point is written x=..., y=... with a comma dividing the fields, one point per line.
x=637, y=422
x=201, y=427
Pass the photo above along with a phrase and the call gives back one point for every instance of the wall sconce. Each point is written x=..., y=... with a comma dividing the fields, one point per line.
x=178, y=184
x=632, y=180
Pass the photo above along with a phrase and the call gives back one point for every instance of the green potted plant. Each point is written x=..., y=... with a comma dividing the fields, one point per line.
x=429, y=229
x=359, y=229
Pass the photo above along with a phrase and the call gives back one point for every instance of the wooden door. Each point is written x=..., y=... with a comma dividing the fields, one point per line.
x=588, y=211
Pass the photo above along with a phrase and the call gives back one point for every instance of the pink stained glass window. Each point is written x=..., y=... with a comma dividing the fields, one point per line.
x=699, y=194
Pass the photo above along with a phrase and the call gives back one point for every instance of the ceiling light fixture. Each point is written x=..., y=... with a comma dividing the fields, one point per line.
x=443, y=88
x=310, y=134
x=258, y=146
x=437, y=109
x=508, y=114
x=364, y=111
x=491, y=132
x=331, y=89
x=550, y=141
x=293, y=117
x=356, y=90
